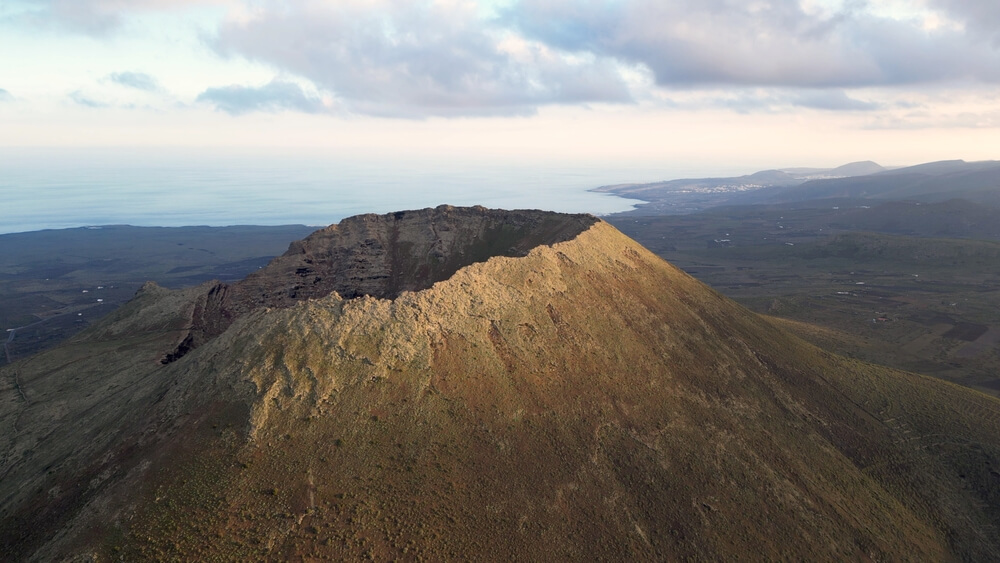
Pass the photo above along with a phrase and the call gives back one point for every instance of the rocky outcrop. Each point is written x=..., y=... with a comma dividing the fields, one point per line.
x=380, y=256
x=385, y=255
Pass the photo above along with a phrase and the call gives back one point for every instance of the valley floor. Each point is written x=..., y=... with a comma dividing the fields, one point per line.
x=925, y=305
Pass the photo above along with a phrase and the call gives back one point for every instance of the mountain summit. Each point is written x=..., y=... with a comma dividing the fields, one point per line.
x=380, y=256
x=471, y=383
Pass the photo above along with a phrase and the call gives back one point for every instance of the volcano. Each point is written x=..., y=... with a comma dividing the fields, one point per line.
x=465, y=383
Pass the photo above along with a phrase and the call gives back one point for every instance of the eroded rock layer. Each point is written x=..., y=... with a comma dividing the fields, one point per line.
x=381, y=256
x=384, y=255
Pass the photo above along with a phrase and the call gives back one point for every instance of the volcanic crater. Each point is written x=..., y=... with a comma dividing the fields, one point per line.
x=380, y=256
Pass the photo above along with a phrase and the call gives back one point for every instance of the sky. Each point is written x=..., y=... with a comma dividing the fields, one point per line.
x=705, y=83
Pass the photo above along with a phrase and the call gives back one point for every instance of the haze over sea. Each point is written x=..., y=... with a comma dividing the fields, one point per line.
x=51, y=189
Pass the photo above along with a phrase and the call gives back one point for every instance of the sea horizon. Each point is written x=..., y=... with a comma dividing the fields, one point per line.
x=61, y=188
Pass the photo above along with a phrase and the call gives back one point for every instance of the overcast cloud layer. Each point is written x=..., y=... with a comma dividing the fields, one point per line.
x=415, y=59
x=396, y=57
x=92, y=17
x=981, y=17
x=404, y=57
x=777, y=43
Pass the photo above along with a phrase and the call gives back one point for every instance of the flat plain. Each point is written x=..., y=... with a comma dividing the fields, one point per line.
x=893, y=296
x=55, y=283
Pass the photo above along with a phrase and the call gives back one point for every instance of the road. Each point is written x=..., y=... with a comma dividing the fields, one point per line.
x=6, y=344
x=11, y=332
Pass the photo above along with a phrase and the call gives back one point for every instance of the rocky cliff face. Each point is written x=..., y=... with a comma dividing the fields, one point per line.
x=380, y=256
x=385, y=255
x=565, y=395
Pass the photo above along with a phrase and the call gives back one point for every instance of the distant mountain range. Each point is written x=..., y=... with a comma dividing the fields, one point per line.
x=977, y=182
x=861, y=168
x=932, y=182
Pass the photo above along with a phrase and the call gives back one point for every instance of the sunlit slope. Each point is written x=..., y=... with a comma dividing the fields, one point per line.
x=586, y=400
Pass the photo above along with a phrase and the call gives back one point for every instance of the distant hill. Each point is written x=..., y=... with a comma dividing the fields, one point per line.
x=943, y=167
x=931, y=182
x=693, y=194
x=463, y=383
x=769, y=177
x=863, y=168
x=978, y=182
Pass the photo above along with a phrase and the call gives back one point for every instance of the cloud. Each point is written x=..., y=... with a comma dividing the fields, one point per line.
x=94, y=17
x=694, y=43
x=5, y=96
x=982, y=17
x=448, y=58
x=82, y=99
x=415, y=59
x=763, y=100
x=456, y=58
x=832, y=100
x=937, y=120
x=272, y=97
x=137, y=80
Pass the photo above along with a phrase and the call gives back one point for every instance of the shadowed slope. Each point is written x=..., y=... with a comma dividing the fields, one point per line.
x=586, y=400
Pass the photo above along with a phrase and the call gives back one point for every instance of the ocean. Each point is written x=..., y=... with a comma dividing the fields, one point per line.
x=51, y=189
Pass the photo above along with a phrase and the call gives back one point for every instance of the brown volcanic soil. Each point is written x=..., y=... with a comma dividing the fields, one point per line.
x=584, y=401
